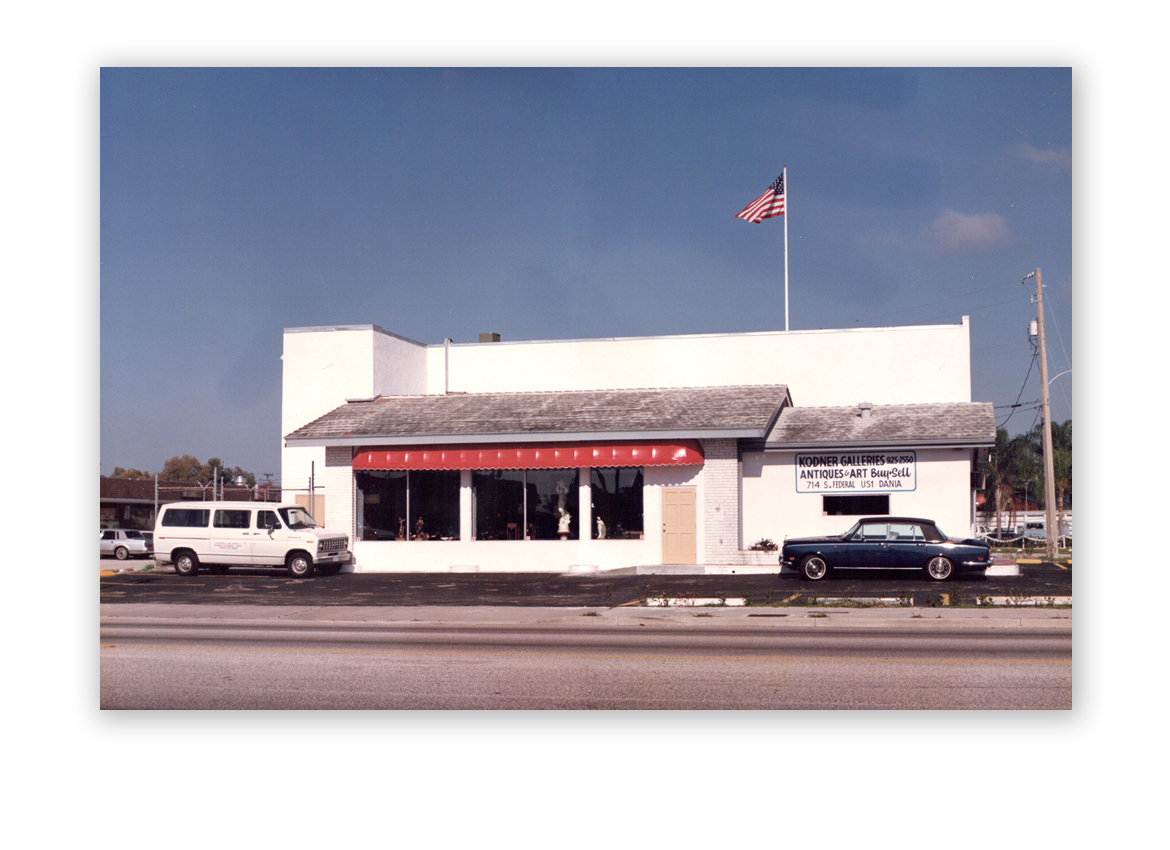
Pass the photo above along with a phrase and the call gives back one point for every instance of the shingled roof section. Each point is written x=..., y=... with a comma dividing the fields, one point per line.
x=727, y=411
x=951, y=424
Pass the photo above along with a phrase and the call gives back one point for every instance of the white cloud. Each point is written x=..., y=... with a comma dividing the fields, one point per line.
x=950, y=233
x=955, y=231
x=1060, y=158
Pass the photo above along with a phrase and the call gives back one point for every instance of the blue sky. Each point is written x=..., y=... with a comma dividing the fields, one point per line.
x=559, y=203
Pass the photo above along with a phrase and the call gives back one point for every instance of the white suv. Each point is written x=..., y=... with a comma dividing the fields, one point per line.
x=226, y=534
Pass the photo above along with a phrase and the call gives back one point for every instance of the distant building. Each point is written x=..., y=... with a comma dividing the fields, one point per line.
x=131, y=502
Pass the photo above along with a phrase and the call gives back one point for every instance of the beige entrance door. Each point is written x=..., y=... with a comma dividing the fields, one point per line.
x=678, y=525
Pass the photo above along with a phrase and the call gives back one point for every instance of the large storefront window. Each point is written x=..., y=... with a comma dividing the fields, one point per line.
x=401, y=505
x=434, y=505
x=553, y=499
x=533, y=504
x=617, y=502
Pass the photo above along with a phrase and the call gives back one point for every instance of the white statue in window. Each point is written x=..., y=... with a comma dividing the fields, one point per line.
x=600, y=529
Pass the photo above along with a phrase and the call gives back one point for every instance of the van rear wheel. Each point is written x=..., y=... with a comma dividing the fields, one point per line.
x=186, y=564
x=299, y=565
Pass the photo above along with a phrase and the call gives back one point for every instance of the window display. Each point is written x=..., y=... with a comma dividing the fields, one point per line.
x=553, y=499
x=498, y=504
x=617, y=502
x=533, y=504
x=401, y=505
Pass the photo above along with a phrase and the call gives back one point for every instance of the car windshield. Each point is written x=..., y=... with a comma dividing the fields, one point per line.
x=297, y=518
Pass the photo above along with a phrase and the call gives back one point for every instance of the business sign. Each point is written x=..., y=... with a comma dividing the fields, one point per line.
x=860, y=472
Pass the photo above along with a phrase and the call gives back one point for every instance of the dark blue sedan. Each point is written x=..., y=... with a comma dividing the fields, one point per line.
x=887, y=543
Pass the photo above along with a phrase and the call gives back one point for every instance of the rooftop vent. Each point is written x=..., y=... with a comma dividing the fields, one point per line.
x=865, y=407
x=489, y=337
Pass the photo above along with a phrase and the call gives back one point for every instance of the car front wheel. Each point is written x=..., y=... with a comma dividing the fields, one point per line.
x=813, y=568
x=939, y=569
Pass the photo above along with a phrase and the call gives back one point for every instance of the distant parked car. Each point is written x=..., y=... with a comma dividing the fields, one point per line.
x=125, y=543
x=887, y=543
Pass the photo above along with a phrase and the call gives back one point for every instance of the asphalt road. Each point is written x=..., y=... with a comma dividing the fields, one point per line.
x=275, y=587
x=623, y=659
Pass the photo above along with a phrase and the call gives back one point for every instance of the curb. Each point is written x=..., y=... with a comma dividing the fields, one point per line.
x=865, y=602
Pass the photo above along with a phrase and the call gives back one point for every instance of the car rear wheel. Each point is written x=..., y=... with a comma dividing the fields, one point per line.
x=121, y=553
x=186, y=564
x=813, y=568
x=939, y=568
x=300, y=565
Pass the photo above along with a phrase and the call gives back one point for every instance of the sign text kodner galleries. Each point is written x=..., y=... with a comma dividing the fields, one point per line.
x=856, y=472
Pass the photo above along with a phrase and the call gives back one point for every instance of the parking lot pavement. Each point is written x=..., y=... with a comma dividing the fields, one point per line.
x=1037, y=584
x=112, y=566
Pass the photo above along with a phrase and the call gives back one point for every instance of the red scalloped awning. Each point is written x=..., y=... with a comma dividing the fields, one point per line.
x=532, y=455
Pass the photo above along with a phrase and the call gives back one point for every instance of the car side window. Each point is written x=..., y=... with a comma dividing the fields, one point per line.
x=933, y=535
x=233, y=519
x=904, y=531
x=873, y=531
x=109, y=535
x=267, y=519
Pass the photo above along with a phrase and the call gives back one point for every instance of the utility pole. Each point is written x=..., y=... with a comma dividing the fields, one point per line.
x=1051, y=532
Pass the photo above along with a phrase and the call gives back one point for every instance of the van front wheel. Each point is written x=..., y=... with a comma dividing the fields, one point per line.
x=300, y=565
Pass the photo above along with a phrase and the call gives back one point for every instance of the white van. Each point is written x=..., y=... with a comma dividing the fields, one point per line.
x=226, y=534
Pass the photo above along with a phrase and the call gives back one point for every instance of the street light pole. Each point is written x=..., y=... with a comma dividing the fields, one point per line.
x=1049, y=476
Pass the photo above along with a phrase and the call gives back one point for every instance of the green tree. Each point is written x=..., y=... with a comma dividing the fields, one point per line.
x=1016, y=468
x=184, y=468
x=119, y=472
x=188, y=468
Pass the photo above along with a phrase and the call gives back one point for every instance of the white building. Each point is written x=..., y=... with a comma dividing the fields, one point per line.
x=688, y=449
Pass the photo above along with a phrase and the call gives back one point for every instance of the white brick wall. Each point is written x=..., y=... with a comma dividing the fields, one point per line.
x=721, y=502
x=339, y=489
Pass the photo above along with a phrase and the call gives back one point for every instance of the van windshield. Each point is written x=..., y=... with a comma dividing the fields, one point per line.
x=297, y=518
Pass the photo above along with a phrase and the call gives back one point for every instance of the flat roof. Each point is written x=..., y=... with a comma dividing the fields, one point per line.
x=379, y=329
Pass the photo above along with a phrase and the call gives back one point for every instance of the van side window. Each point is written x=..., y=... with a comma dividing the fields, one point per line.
x=186, y=518
x=232, y=519
x=267, y=519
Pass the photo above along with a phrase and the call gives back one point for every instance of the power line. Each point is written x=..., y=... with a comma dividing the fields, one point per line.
x=945, y=300
x=1031, y=363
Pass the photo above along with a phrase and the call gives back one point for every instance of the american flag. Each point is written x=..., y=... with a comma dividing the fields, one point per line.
x=768, y=205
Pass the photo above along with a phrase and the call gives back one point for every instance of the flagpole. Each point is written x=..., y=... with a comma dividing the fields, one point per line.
x=784, y=174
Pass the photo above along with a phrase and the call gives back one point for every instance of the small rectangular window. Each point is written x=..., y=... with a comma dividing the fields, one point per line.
x=186, y=517
x=232, y=519
x=856, y=505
